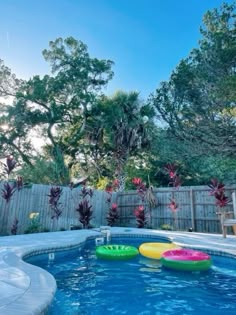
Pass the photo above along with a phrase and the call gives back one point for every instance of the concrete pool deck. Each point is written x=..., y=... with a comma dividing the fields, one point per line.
x=28, y=290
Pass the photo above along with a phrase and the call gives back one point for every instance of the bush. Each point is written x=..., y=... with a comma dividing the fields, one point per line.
x=166, y=227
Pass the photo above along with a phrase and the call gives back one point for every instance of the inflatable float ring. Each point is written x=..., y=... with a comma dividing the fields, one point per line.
x=116, y=252
x=155, y=250
x=186, y=259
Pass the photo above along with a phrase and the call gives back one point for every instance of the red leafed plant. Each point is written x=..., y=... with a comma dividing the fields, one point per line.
x=86, y=192
x=171, y=169
x=173, y=205
x=10, y=164
x=85, y=213
x=140, y=186
x=85, y=208
x=113, y=214
x=175, y=180
x=137, y=181
x=216, y=187
x=218, y=191
x=54, y=196
x=8, y=191
x=141, y=218
x=19, y=182
x=14, y=226
x=148, y=199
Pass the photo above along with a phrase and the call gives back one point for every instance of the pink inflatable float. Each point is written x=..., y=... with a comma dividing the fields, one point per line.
x=186, y=259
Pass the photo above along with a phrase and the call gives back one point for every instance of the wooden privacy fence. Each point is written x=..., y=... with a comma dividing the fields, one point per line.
x=36, y=200
x=197, y=208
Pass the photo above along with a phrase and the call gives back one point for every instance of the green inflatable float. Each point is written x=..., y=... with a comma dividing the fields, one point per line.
x=116, y=252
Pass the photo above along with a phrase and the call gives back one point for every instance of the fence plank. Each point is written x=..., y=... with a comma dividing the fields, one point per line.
x=192, y=209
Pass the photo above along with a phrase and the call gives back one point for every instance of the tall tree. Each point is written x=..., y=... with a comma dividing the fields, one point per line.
x=58, y=101
x=12, y=130
x=198, y=102
x=124, y=128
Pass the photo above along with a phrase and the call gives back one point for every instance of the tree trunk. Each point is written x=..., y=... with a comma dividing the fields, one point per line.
x=62, y=170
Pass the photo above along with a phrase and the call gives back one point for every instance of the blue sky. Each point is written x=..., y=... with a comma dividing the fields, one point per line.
x=145, y=38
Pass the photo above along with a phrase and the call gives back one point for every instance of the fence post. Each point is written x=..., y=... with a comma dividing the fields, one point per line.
x=192, y=209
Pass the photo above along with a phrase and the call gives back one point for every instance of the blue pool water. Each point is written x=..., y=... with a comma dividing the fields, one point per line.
x=140, y=286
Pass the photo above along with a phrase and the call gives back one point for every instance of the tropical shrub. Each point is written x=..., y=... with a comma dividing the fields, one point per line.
x=8, y=191
x=141, y=217
x=35, y=226
x=85, y=208
x=166, y=227
x=113, y=214
x=217, y=189
x=174, y=179
x=148, y=199
x=9, y=166
x=14, y=226
x=174, y=207
x=55, y=205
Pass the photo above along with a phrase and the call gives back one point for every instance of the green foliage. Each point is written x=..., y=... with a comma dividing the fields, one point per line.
x=35, y=226
x=166, y=227
x=43, y=172
x=195, y=103
x=112, y=215
x=53, y=104
x=115, y=132
x=84, y=207
x=126, y=132
x=87, y=133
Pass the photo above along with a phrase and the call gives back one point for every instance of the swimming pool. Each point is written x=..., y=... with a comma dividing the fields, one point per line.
x=89, y=286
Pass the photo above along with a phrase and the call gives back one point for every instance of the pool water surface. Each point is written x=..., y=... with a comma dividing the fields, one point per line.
x=140, y=286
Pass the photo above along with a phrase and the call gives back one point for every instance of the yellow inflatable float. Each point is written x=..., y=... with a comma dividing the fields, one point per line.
x=155, y=250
